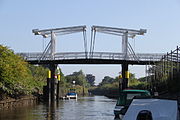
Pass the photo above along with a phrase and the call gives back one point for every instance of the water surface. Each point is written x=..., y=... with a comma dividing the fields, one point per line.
x=84, y=108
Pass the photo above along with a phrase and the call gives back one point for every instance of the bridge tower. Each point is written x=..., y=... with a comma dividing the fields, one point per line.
x=50, y=51
x=127, y=50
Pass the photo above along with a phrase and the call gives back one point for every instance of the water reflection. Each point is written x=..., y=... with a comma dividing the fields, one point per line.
x=20, y=113
x=51, y=108
x=84, y=108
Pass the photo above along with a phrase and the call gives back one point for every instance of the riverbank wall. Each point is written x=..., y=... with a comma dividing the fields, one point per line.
x=23, y=101
x=113, y=93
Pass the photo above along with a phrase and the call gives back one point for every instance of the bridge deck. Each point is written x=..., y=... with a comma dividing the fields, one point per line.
x=96, y=58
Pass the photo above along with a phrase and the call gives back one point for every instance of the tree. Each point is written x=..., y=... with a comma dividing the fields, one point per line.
x=15, y=77
x=39, y=74
x=132, y=79
x=79, y=77
x=90, y=79
x=106, y=80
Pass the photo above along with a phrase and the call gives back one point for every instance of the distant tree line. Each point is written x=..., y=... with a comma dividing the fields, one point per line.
x=110, y=86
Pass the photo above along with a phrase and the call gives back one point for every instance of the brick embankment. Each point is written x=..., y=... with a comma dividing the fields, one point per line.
x=24, y=101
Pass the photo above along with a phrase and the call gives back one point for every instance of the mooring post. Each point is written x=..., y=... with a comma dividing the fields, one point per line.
x=49, y=86
x=125, y=76
x=120, y=83
x=58, y=85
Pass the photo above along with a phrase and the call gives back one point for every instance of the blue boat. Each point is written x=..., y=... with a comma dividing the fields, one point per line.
x=72, y=94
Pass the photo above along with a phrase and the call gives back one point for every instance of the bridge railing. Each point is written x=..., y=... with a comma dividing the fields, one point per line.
x=120, y=56
x=70, y=55
x=150, y=56
x=95, y=55
x=58, y=56
x=106, y=55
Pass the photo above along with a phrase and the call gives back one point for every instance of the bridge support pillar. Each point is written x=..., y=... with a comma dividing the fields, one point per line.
x=53, y=82
x=125, y=76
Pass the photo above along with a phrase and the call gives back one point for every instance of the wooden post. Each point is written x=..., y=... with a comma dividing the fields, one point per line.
x=171, y=65
x=58, y=85
x=177, y=60
x=49, y=85
x=125, y=76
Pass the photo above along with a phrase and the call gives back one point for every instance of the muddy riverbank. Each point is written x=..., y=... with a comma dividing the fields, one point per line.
x=22, y=101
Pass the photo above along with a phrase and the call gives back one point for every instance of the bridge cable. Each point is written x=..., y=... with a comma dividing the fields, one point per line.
x=45, y=51
x=130, y=55
x=132, y=51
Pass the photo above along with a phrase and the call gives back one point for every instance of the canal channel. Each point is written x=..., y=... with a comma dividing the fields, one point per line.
x=84, y=108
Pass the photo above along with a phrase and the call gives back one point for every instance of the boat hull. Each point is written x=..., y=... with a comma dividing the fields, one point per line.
x=72, y=95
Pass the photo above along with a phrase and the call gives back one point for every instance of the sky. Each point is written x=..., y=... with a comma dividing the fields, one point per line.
x=161, y=18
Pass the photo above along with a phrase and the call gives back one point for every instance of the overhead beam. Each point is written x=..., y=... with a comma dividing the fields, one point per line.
x=118, y=31
x=59, y=31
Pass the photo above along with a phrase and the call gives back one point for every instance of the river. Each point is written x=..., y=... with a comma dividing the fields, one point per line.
x=84, y=108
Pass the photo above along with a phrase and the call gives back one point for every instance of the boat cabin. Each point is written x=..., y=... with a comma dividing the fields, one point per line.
x=152, y=109
x=125, y=99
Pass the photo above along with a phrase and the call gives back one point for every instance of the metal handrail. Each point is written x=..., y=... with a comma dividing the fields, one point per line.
x=96, y=55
